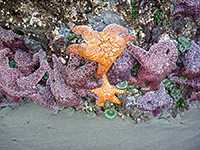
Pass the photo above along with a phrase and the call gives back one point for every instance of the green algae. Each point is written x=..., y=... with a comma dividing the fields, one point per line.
x=159, y=15
x=45, y=57
x=134, y=13
x=12, y=63
x=72, y=36
x=29, y=17
x=170, y=23
x=135, y=69
x=130, y=86
x=180, y=104
x=60, y=107
x=46, y=76
x=188, y=25
x=172, y=34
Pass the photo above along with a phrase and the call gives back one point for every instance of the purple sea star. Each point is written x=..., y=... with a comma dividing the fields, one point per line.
x=78, y=77
x=64, y=94
x=155, y=64
x=121, y=68
x=155, y=101
x=188, y=7
x=191, y=67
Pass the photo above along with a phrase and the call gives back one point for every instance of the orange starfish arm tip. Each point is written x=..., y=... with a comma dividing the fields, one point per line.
x=99, y=103
x=131, y=38
x=77, y=49
x=115, y=100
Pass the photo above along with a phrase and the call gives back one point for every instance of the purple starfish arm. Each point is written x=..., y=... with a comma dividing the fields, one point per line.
x=192, y=62
x=74, y=61
x=79, y=77
x=121, y=68
x=15, y=95
x=64, y=95
x=30, y=81
x=195, y=97
x=26, y=62
x=195, y=83
x=12, y=40
x=3, y=58
x=140, y=54
x=44, y=97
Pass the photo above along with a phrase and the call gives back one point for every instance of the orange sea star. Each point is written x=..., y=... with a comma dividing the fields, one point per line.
x=102, y=47
x=107, y=92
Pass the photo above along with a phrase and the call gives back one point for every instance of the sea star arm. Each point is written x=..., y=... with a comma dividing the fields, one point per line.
x=64, y=95
x=195, y=83
x=86, y=70
x=47, y=103
x=140, y=54
x=3, y=58
x=121, y=31
x=100, y=102
x=114, y=99
x=80, y=49
x=30, y=81
x=14, y=93
x=101, y=70
x=4, y=52
x=86, y=32
x=83, y=50
x=195, y=97
x=136, y=80
x=73, y=62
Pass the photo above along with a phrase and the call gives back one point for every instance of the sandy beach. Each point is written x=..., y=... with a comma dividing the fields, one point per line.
x=30, y=126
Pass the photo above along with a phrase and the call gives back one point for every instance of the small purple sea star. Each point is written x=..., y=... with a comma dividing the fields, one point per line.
x=155, y=101
x=191, y=67
x=155, y=64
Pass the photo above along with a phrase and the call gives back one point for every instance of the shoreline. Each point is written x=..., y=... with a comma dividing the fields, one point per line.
x=31, y=126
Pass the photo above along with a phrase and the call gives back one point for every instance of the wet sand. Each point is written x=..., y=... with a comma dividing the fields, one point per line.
x=34, y=127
